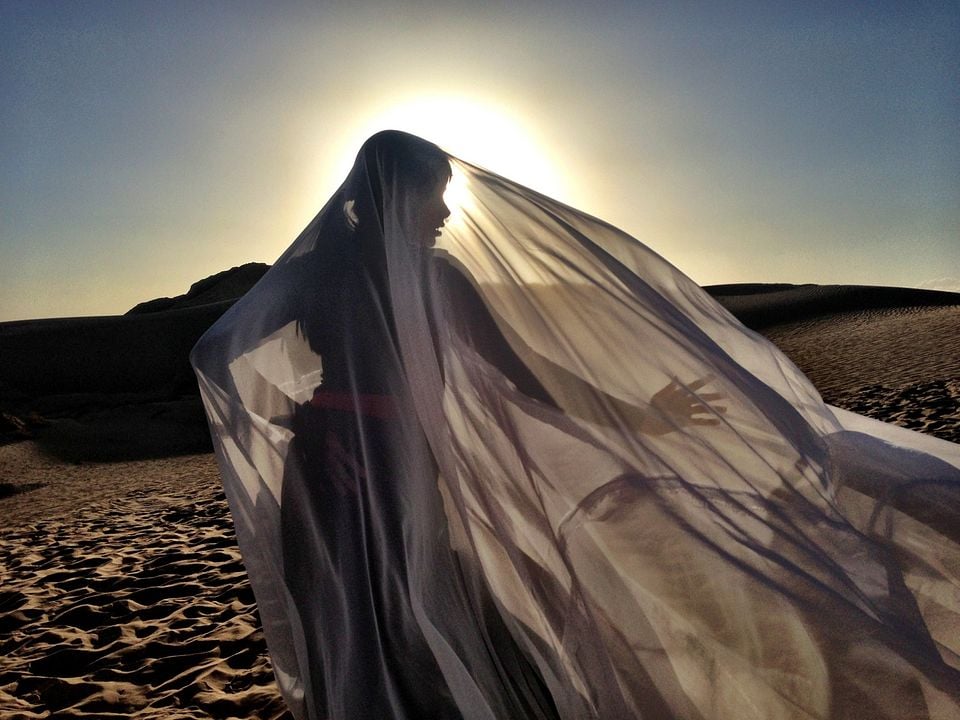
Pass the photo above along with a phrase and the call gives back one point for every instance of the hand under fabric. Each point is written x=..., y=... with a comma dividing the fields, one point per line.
x=675, y=406
x=678, y=405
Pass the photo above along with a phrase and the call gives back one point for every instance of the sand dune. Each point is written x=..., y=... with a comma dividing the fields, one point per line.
x=123, y=592
x=889, y=353
x=121, y=354
x=124, y=595
x=897, y=365
x=760, y=305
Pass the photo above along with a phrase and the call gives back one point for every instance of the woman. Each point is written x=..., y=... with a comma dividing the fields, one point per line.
x=516, y=465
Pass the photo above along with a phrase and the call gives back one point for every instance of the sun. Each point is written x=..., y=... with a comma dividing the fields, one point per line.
x=479, y=132
x=457, y=196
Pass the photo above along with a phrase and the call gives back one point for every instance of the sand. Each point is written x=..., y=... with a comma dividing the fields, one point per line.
x=896, y=365
x=123, y=593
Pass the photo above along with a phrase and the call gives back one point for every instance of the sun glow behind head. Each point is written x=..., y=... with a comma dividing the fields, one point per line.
x=477, y=131
x=457, y=196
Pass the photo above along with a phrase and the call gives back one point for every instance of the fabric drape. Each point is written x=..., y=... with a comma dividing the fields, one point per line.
x=522, y=467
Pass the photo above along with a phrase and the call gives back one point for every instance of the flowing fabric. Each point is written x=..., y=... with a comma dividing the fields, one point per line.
x=525, y=468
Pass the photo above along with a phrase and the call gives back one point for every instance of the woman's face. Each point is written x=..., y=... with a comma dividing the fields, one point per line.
x=430, y=214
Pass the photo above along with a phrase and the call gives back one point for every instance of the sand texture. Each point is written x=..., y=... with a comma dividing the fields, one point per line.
x=896, y=365
x=123, y=593
x=892, y=354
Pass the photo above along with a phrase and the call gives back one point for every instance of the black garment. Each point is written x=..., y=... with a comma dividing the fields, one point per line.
x=347, y=572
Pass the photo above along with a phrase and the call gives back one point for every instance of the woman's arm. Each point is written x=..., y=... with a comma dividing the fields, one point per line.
x=674, y=406
x=473, y=321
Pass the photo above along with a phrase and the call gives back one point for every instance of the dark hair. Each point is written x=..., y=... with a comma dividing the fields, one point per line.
x=408, y=157
x=398, y=157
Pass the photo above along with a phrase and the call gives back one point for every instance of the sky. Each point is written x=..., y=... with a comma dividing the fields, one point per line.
x=146, y=145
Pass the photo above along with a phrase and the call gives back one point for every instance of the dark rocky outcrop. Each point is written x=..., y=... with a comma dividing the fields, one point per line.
x=227, y=285
x=114, y=387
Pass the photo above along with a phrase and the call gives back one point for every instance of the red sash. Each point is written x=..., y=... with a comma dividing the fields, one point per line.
x=383, y=407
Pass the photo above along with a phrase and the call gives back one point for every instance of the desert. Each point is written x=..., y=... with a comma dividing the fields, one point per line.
x=124, y=593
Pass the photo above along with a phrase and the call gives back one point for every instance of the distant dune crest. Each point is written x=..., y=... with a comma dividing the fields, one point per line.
x=110, y=374
x=226, y=285
x=763, y=305
x=949, y=284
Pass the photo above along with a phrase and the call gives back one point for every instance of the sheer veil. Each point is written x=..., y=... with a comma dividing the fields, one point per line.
x=523, y=467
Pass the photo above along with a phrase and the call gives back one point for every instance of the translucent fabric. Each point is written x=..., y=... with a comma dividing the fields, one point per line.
x=522, y=467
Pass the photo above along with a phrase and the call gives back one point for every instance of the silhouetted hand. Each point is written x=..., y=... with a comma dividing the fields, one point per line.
x=678, y=405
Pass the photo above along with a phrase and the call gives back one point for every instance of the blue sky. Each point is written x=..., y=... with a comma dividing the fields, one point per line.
x=147, y=145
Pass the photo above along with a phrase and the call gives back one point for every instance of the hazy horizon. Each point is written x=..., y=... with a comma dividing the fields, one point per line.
x=149, y=145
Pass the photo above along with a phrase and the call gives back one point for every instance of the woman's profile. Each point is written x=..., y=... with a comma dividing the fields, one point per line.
x=510, y=463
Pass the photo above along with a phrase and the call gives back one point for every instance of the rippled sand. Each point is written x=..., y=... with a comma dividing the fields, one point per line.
x=124, y=595
x=897, y=365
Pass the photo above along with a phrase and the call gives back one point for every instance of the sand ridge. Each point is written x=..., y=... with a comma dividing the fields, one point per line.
x=899, y=365
x=133, y=602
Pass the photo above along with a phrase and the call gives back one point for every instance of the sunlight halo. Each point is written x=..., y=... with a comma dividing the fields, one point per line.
x=479, y=132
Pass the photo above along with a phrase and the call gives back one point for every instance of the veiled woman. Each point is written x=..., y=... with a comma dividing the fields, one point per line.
x=519, y=466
